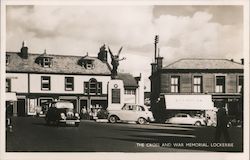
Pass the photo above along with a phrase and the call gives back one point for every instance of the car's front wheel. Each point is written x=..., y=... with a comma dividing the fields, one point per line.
x=141, y=120
x=113, y=119
x=198, y=123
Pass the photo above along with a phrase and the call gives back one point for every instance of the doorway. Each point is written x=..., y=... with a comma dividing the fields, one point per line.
x=21, y=107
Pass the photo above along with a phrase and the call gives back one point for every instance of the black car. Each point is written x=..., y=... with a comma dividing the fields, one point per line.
x=62, y=112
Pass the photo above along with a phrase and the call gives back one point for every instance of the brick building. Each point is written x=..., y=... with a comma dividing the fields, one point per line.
x=220, y=78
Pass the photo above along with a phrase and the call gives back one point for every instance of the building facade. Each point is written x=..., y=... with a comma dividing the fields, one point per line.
x=34, y=79
x=220, y=78
x=40, y=78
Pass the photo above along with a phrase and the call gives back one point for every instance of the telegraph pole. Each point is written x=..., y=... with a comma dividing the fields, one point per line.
x=156, y=42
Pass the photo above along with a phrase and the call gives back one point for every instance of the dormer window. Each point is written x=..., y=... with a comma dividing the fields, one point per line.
x=7, y=59
x=46, y=62
x=87, y=63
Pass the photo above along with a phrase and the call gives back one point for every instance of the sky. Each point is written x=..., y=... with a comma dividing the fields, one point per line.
x=184, y=32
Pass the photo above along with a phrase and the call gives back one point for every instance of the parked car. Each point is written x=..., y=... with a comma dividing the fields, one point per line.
x=131, y=113
x=62, y=112
x=183, y=118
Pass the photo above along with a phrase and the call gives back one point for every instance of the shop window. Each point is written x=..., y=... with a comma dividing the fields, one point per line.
x=69, y=83
x=175, y=84
x=8, y=85
x=220, y=84
x=240, y=84
x=93, y=87
x=45, y=83
x=197, y=84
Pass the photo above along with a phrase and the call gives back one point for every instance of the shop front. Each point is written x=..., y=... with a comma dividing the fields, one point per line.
x=232, y=103
x=198, y=105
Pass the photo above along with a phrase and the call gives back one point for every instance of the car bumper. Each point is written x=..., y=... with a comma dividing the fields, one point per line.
x=151, y=119
x=69, y=121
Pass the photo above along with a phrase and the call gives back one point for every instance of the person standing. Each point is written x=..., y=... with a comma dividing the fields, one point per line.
x=221, y=128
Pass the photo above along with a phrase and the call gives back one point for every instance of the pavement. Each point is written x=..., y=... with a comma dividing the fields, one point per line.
x=31, y=134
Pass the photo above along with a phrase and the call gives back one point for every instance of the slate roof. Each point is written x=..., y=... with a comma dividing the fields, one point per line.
x=128, y=80
x=61, y=65
x=204, y=64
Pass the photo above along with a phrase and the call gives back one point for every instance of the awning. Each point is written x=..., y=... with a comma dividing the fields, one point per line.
x=10, y=96
x=189, y=102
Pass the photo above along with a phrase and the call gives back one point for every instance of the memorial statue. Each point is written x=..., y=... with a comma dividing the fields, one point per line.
x=115, y=62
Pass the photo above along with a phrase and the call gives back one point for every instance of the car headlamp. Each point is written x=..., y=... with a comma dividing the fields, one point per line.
x=63, y=116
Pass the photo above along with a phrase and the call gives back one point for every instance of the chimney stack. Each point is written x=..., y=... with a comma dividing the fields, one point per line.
x=24, y=50
x=153, y=67
x=159, y=62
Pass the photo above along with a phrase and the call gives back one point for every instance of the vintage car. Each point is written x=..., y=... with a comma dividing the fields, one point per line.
x=62, y=112
x=183, y=118
x=131, y=113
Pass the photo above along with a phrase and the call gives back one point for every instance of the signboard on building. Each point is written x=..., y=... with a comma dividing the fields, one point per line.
x=189, y=102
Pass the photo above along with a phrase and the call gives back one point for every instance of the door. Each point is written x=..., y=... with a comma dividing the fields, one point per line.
x=21, y=107
x=127, y=113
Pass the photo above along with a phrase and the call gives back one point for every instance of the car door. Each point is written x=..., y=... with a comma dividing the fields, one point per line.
x=176, y=119
x=141, y=112
x=185, y=119
x=126, y=114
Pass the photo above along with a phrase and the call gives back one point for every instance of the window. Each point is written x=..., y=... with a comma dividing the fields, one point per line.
x=129, y=91
x=46, y=62
x=45, y=83
x=8, y=85
x=220, y=84
x=86, y=87
x=240, y=84
x=197, y=84
x=93, y=87
x=87, y=63
x=175, y=84
x=69, y=83
x=7, y=59
x=140, y=108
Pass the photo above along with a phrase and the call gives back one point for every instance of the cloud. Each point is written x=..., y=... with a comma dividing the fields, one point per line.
x=80, y=29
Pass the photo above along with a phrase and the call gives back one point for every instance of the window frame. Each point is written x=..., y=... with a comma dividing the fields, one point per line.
x=175, y=85
x=8, y=85
x=46, y=62
x=224, y=86
x=238, y=84
x=67, y=84
x=44, y=83
x=198, y=85
x=129, y=91
x=7, y=60
x=92, y=85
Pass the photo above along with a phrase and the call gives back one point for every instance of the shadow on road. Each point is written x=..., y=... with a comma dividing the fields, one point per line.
x=200, y=139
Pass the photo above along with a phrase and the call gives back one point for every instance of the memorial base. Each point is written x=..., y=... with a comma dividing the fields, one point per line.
x=115, y=94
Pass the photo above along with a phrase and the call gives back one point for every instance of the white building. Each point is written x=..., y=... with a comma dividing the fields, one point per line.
x=33, y=79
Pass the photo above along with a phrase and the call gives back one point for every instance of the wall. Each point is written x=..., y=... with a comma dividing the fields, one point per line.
x=186, y=82
x=58, y=83
x=19, y=82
